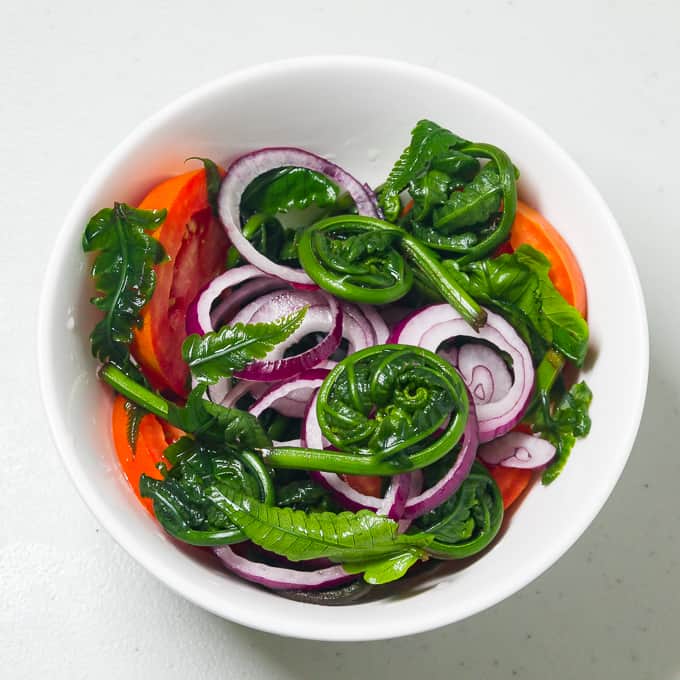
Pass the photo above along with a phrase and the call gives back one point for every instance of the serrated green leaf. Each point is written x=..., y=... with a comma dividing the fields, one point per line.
x=388, y=569
x=123, y=274
x=217, y=355
x=342, y=537
x=428, y=140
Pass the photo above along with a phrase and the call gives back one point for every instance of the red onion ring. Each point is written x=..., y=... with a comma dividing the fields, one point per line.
x=320, y=305
x=228, y=307
x=291, y=397
x=279, y=578
x=256, y=389
x=415, y=487
x=432, y=326
x=198, y=315
x=380, y=330
x=517, y=450
x=454, y=477
x=251, y=165
x=485, y=373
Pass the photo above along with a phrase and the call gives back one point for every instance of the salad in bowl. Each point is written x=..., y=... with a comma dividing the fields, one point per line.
x=331, y=386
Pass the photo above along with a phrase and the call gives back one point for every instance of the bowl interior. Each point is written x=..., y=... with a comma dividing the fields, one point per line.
x=358, y=112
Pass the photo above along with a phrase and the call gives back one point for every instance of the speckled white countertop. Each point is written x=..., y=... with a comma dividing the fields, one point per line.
x=75, y=77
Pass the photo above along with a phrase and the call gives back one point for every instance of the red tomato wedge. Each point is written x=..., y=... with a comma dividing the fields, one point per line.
x=149, y=447
x=511, y=482
x=532, y=228
x=370, y=485
x=197, y=247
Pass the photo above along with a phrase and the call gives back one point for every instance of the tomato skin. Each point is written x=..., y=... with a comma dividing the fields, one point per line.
x=196, y=246
x=149, y=447
x=370, y=485
x=532, y=228
x=511, y=481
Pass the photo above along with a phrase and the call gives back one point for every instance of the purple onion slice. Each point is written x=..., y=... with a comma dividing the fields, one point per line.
x=517, y=450
x=250, y=166
x=432, y=326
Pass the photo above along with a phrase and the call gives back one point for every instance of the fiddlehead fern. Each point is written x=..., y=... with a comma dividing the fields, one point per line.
x=395, y=407
x=364, y=259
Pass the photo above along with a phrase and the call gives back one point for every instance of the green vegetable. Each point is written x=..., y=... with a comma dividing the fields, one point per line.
x=288, y=188
x=383, y=408
x=218, y=354
x=354, y=258
x=428, y=142
x=518, y=286
x=562, y=425
x=362, y=259
x=343, y=537
x=123, y=274
x=180, y=501
x=458, y=207
x=303, y=494
x=475, y=204
x=428, y=192
x=468, y=521
x=213, y=180
x=386, y=569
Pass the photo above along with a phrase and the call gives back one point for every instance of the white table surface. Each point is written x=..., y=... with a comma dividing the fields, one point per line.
x=75, y=77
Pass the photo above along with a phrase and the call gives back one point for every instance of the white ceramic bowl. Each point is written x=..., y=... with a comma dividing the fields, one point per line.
x=358, y=112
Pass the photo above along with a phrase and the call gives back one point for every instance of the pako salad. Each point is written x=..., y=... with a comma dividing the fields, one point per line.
x=330, y=385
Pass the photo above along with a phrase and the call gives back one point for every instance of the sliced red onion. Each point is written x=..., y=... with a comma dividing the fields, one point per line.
x=357, y=329
x=380, y=330
x=329, y=364
x=517, y=450
x=218, y=392
x=449, y=354
x=485, y=373
x=396, y=496
x=198, y=314
x=374, y=199
x=256, y=389
x=415, y=487
x=279, y=578
x=323, y=313
x=454, y=477
x=250, y=166
x=227, y=308
x=434, y=325
x=392, y=505
x=291, y=397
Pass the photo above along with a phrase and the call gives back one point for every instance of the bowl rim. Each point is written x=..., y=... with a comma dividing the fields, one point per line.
x=396, y=626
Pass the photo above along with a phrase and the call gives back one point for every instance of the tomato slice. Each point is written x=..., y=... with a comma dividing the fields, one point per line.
x=149, y=447
x=370, y=485
x=197, y=247
x=532, y=228
x=511, y=481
